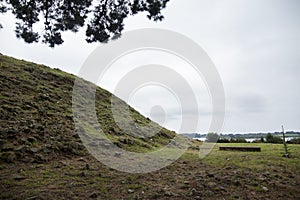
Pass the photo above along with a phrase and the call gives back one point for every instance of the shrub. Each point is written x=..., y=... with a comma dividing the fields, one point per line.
x=238, y=140
x=294, y=141
x=273, y=139
x=212, y=137
x=223, y=140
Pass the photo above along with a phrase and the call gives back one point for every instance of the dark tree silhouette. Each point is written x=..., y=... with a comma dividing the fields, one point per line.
x=105, y=18
x=212, y=137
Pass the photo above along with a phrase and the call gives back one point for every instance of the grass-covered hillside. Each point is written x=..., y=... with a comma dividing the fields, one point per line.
x=36, y=118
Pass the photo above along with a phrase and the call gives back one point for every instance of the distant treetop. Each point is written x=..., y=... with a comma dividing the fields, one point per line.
x=104, y=17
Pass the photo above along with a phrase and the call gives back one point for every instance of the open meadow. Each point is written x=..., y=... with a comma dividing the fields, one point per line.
x=220, y=175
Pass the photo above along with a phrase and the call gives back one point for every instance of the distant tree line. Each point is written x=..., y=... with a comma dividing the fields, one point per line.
x=214, y=137
x=232, y=140
x=270, y=138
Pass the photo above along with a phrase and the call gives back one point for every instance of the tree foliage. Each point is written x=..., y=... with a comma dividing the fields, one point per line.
x=273, y=139
x=212, y=137
x=238, y=140
x=294, y=141
x=104, y=19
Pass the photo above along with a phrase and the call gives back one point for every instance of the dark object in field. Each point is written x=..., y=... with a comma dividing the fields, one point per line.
x=240, y=149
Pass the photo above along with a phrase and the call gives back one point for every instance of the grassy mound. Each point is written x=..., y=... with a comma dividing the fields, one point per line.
x=36, y=118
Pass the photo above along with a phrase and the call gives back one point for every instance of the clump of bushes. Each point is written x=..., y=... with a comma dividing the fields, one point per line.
x=294, y=141
x=232, y=140
x=238, y=140
x=223, y=140
x=273, y=139
x=212, y=137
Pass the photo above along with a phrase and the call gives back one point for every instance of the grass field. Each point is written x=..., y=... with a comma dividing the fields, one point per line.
x=270, y=155
x=220, y=175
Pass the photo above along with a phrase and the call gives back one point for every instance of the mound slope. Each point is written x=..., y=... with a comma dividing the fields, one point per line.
x=36, y=118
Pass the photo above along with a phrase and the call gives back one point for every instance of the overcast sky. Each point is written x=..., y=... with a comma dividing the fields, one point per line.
x=254, y=44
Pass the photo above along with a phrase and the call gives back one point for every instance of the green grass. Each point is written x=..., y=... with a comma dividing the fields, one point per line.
x=240, y=173
x=270, y=155
x=36, y=101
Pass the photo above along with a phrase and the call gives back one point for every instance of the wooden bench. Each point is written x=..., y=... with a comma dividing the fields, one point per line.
x=240, y=149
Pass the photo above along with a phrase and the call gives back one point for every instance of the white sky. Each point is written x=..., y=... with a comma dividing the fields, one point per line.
x=254, y=44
